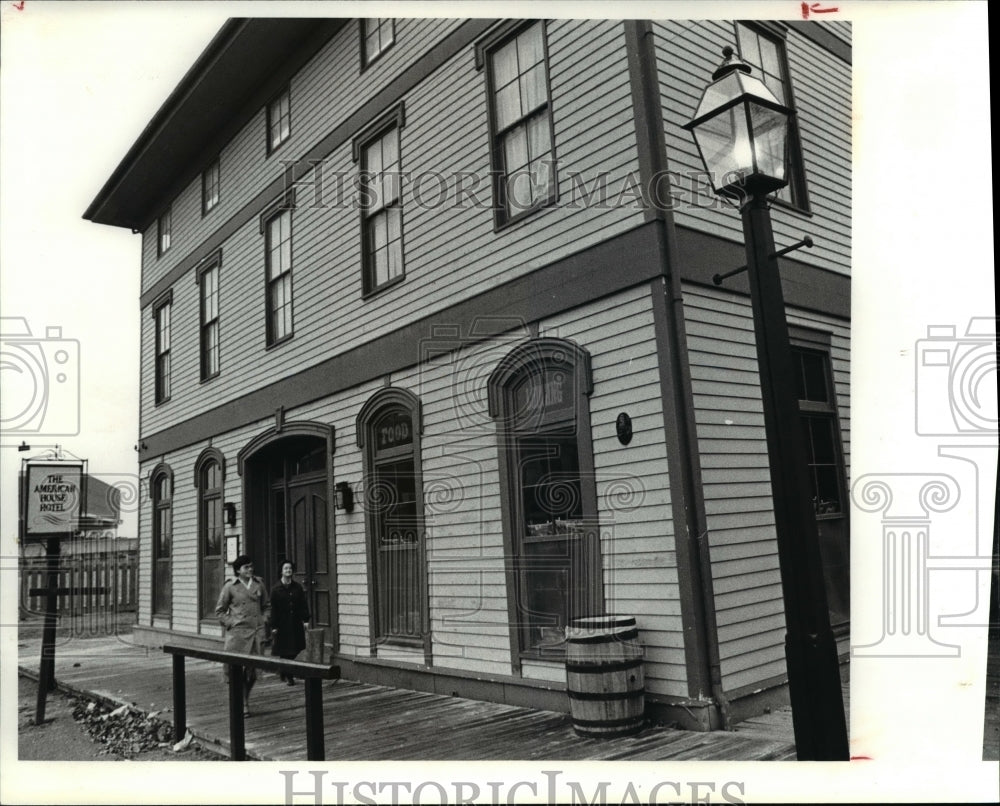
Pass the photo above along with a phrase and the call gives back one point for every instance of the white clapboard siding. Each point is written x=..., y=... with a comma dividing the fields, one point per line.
x=324, y=92
x=637, y=543
x=732, y=443
x=687, y=53
x=450, y=254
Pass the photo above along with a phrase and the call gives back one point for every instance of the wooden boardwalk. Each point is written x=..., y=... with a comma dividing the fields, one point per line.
x=367, y=722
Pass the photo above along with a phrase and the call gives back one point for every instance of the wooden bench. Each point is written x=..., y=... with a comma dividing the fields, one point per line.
x=313, y=674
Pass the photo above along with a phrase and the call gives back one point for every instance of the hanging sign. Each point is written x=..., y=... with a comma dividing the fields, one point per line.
x=52, y=496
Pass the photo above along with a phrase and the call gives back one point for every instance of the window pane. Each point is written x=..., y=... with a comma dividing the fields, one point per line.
x=379, y=230
x=827, y=491
x=749, y=48
x=769, y=58
x=508, y=105
x=373, y=158
x=546, y=580
x=515, y=149
x=539, y=141
x=390, y=150
x=533, y=89
x=814, y=377
x=395, y=260
x=505, y=65
x=397, y=542
x=529, y=47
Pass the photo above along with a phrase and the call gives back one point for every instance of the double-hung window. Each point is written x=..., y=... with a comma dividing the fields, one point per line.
x=764, y=50
x=382, y=211
x=521, y=123
x=210, y=187
x=164, y=225
x=208, y=281
x=279, y=120
x=278, y=260
x=161, y=361
x=377, y=35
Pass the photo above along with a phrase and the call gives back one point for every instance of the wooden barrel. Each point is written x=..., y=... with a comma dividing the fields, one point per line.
x=604, y=676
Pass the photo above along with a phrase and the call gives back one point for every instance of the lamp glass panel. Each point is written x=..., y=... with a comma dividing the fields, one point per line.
x=770, y=133
x=724, y=142
x=718, y=94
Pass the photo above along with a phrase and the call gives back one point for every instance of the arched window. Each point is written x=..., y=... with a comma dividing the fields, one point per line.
x=389, y=428
x=209, y=475
x=538, y=395
x=161, y=483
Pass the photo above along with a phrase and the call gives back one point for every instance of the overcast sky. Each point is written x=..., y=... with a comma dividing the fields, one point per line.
x=80, y=81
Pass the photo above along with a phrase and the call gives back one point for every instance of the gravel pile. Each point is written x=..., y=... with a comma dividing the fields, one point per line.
x=124, y=731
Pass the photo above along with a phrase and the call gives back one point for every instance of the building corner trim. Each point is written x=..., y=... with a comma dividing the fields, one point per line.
x=701, y=644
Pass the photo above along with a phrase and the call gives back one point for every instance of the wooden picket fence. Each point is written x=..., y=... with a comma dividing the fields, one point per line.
x=84, y=575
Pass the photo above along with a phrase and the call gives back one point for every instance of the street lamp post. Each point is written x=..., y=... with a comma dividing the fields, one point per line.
x=741, y=129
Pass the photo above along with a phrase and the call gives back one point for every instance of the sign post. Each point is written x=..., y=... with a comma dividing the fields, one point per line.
x=52, y=497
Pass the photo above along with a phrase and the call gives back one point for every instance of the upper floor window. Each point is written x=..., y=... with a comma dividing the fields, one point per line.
x=278, y=260
x=161, y=484
x=210, y=187
x=163, y=228
x=764, y=51
x=521, y=123
x=382, y=212
x=208, y=281
x=161, y=369
x=377, y=35
x=539, y=396
x=279, y=120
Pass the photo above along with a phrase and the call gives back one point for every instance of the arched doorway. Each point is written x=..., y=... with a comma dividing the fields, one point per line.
x=287, y=493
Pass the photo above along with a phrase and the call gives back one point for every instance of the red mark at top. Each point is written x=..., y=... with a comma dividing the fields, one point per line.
x=814, y=8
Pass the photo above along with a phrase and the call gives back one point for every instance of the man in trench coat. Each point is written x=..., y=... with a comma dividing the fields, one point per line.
x=244, y=613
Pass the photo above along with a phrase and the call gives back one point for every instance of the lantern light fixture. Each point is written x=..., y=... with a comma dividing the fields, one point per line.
x=741, y=131
x=344, y=496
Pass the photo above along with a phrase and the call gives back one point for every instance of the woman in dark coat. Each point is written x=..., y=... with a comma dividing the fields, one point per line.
x=289, y=612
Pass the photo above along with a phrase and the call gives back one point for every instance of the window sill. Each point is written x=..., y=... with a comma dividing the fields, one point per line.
x=283, y=340
x=367, y=63
x=211, y=377
x=273, y=149
x=500, y=225
x=805, y=212
x=400, y=641
x=384, y=287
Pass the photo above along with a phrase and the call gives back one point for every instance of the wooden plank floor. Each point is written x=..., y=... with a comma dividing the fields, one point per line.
x=366, y=722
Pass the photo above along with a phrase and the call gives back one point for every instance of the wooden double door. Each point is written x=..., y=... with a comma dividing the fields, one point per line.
x=290, y=520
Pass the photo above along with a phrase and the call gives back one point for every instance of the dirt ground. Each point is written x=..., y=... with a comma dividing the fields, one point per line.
x=62, y=738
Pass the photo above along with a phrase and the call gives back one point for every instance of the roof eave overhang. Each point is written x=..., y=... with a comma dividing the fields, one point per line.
x=213, y=96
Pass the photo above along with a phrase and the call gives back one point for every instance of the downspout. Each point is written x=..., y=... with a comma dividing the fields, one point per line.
x=652, y=164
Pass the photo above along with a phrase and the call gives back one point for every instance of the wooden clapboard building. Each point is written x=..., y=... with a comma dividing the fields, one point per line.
x=503, y=391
